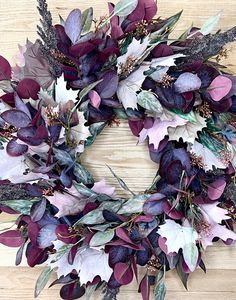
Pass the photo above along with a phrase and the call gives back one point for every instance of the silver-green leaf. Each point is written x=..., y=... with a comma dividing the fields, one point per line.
x=87, y=19
x=160, y=291
x=134, y=205
x=21, y=206
x=42, y=281
x=210, y=24
x=101, y=238
x=190, y=254
x=125, y=7
x=149, y=101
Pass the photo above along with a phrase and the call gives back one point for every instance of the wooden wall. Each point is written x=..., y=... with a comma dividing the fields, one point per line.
x=117, y=148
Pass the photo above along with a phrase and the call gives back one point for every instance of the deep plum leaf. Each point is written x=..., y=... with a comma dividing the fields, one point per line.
x=28, y=88
x=123, y=273
x=11, y=238
x=72, y=291
x=144, y=288
x=118, y=254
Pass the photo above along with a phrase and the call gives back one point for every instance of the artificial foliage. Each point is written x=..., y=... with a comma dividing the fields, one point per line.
x=82, y=75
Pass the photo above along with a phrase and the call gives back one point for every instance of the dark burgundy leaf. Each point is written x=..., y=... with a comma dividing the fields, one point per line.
x=16, y=118
x=123, y=234
x=72, y=291
x=28, y=88
x=41, y=132
x=72, y=254
x=144, y=288
x=5, y=69
x=113, y=283
x=136, y=126
x=15, y=149
x=81, y=49
x=173, y=213
x=134, y=266
x=38, y=209
x=123, y=273
x=162, y=50
x=108, y=86
x=64, y=234
x=11, y=238
x=9, y=98
x=35, y=255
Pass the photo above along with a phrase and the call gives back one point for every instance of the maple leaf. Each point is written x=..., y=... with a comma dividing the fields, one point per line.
x=88, y=262
x=188, y=132
x=160, y=129
x=181, y=237
x=134, y=51
x=71, y=202
x=63, y=95
x=209, y=159
x=213, y=215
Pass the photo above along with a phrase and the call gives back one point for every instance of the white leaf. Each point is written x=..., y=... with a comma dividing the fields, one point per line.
x=127, y=88
x=210, y=24
x=187, y=132
x=134, y=50
x=88, y=262
x=177, y=236
x=62, y=94
x=167, y=61
x=209, y=158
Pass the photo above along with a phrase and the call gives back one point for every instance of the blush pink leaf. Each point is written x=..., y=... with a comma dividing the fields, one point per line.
x=216, y=189
x=220, y=87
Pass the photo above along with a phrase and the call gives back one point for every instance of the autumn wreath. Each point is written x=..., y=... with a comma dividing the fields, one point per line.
x=65, y=88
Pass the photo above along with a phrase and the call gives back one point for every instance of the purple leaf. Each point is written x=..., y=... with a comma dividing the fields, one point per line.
x=16, y=118
x=216, y=189
x=187, y=82
x=28, y=88
x=73, y=25
x=118, y=254
x=123, y=234
x=108, y=86
x=37, y=210
x=11, y=238
x=20, y=105
x=19, y=254
x=15, y=149
x=220, y=87
x=154, y=205
x=172, y=212
x=123, y=273
x=5, y=69
x=144, y=288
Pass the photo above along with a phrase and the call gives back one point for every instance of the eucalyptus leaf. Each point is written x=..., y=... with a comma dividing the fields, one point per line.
x=95, y=129
x=42, y=281
x=83, y=190
x=210, y=24
x=120, y=113
x=90, y=289
x=87, y=19
x=62, y=21
x=101, y=238
x=160, y=291
x=149, y=101
x=96, y=216
x=82, y=175
x=88, y=88
x=134, y=205
x=21, y=206
x=167, y=26
x=125, y=7
x=120, y=181
x=190, y=254
x=6, y=86
x=62, y=251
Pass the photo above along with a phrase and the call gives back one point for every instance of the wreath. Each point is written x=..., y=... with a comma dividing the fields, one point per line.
x=70, y=84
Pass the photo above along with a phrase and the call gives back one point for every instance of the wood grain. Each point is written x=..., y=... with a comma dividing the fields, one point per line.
x=117, y=148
